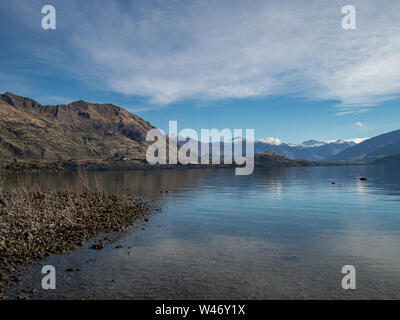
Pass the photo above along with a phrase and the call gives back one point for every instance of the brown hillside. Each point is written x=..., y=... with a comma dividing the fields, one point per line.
x=79, y=130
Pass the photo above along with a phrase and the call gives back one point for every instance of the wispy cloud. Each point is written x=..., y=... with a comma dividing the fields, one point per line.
x=213, y=50
x=343, y=111
x=141, y=109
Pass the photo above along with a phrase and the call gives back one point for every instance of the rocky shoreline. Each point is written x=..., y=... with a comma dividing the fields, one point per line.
x=34, y=225
x=26, y=166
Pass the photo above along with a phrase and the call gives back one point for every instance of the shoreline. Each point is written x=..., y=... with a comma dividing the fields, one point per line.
x=25, y=166
x=37, y=224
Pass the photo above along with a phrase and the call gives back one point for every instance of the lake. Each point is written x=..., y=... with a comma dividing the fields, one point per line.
x=280, y=233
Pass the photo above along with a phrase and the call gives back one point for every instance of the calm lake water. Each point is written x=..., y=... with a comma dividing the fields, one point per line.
x=277, y=234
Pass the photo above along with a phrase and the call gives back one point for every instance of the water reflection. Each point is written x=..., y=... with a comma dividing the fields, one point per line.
x=279, y=233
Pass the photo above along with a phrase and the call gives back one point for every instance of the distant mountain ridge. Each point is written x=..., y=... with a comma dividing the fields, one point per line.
x=372, y=149
x=311, y=150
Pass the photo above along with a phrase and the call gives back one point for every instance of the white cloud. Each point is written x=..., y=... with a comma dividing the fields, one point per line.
x=211, y=50
x=359, y=124
x=351, y=110
x=271, y=140
x=140, y=109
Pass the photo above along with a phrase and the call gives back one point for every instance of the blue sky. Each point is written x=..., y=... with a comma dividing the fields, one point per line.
x=288, y=70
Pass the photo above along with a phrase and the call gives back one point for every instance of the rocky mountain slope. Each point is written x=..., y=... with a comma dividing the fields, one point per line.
x=375, y=148
x=79, y=130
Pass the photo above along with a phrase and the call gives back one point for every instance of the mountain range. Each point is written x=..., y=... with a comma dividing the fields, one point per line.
x=311, y=150
x=85, y=130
